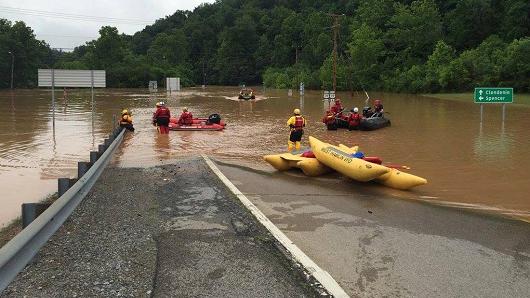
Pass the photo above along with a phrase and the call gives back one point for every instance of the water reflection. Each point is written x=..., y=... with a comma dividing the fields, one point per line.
x=494, y=146
x=161, y=145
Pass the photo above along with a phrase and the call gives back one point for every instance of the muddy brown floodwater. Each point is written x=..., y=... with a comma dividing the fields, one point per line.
x=468, y=165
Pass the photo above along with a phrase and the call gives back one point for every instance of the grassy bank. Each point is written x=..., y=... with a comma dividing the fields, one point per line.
x=519, y=99
x=15, y=226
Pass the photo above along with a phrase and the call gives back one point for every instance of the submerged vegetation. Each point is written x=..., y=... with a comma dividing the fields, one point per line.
x=404, y=46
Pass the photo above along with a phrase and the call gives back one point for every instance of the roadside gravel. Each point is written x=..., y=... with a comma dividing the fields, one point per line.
x=166, y=231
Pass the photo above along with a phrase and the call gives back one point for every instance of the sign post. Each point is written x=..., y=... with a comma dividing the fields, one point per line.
x=484, y=95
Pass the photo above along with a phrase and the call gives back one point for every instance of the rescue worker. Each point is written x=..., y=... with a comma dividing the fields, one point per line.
x=296, y=123
x=126, y=120
x=161, y=117
x=329, y=120
x=337, y=107
x=186, y=118
x=378, y=108
x=354, y=119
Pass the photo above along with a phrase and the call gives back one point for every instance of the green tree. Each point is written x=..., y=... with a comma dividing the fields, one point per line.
x=169, y=49
x=366, y=50
x=108, y=50
x=29, y=54
x=414, y=31
x=470, y=23
x=516, y=67
x=437, y=67
x=235, y=62
x=374, y=13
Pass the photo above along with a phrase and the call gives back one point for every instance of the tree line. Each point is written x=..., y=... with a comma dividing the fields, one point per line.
x=404, y=46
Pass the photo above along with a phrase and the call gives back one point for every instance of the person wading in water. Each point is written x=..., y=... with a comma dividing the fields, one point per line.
x=161, y=117
x=296, y=123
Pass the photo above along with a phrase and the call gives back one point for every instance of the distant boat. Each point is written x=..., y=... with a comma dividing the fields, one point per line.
x=246, y=94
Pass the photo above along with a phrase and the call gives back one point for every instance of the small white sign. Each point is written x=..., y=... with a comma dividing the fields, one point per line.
x=332, y=94
x=173, y=84
x=326, y=94
x=153, y=85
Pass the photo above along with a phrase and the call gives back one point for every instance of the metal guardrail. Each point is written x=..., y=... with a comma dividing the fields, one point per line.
x=18, y=252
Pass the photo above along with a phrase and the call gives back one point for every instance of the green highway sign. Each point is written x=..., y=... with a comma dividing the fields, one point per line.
x=493, y=95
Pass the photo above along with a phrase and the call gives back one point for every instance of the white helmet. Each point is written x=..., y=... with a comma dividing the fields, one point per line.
x=356, y=109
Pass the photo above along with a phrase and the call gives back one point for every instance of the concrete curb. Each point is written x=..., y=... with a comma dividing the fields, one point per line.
x=323, y=277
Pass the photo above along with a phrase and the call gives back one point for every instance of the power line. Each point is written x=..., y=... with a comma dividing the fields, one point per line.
x=70, y=16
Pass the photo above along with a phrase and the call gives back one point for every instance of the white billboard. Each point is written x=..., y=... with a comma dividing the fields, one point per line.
x=71, y=78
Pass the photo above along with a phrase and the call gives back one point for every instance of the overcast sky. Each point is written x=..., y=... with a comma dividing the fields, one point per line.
x=64, y=24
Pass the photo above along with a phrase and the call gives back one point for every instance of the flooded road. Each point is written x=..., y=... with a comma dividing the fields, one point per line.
x=467, y=165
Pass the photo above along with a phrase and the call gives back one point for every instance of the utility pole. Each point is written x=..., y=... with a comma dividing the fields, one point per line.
x=12, y=66
x=335, y=27
x=203, y=72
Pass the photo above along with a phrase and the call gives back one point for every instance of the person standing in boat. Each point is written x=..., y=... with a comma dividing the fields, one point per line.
x=354, y=119
x=161, y=117
x=296, y=124
x=126, y=120
x=186, y=118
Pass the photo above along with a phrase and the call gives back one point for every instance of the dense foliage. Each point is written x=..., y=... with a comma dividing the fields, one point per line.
x=406, y=46
x=28, y=53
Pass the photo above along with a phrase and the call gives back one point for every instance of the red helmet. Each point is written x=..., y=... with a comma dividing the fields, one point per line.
x=337, y=100
x=377, y=102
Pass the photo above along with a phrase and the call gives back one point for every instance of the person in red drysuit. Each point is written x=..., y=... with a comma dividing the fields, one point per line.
x=161, y=117
x=186, y=118
x=337, y=107
x=354, y=119
x=328, y=118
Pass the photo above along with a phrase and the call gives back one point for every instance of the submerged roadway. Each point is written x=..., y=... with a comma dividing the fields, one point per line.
x=376, y=246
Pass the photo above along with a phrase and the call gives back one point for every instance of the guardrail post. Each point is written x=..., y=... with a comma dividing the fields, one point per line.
x=94, y=155
x=20, y=250
x=63, y=184
x=82, y=168
x=30, y=211
x=101, y=149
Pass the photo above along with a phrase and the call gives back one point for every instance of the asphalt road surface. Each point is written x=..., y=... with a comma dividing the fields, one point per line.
x=375, y=245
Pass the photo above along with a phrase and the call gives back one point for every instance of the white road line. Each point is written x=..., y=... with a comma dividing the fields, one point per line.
x=323, y=277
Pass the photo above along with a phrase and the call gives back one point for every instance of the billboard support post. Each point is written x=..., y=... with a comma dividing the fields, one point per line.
x=53, y=99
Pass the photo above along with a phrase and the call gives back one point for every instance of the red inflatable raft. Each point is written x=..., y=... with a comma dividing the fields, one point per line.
x=198, y=124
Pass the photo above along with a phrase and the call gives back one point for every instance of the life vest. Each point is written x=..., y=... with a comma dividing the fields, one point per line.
x=298, y=123
x=336, y=108
x=162, y=112
x=186, y=118
x=355, y=119
x=329, y=117
x=125, y=119
x=378, y=108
